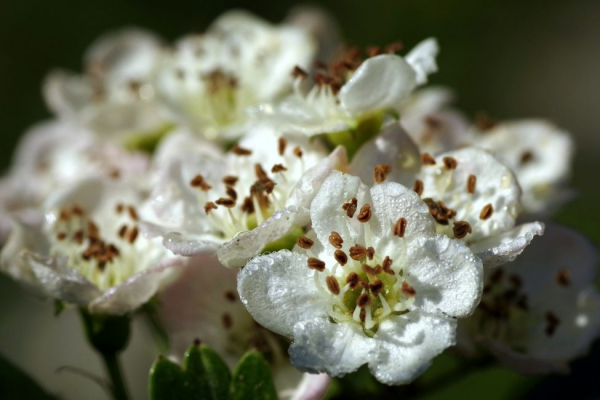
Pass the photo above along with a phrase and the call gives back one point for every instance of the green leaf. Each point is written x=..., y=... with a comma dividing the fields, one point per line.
x=252, y=379
x=167, y=381
x=16, y=385
x=217, y=373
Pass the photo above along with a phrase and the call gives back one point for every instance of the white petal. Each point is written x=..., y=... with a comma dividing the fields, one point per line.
x=380, y=83
x=408, y=344
x=422, y=59
x=505, y=247
x=190, y=245
x=445, y=274
x=337, y=349
x=312, y=387
x=66, y=94
x=238, y=251
x=278, y=290
x=392, y=147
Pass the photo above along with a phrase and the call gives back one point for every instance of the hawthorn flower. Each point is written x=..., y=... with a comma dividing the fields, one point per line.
x=211, y=81
x=542, y=310
x=88, y=251
x=371, y=284
x=236, y=203
x=203, y=304
x=541, y=156
x=474, y=197
x=114, y=98
x=352, y=92
x=54, y=154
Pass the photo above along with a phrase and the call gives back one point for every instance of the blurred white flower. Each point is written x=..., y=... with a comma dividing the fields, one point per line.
x=237, y=202
x=210, y=81
x=88, y=251
x=541, y=311
x=114, y=98
x=203, y=304
x=372, y=284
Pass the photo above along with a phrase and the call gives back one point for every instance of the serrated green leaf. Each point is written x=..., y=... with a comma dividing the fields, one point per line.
x=165, y=378
x=218, y=376
x=252, y=379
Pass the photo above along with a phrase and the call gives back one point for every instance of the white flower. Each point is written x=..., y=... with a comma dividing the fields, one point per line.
x=540, y=154
x=210, y=81
x=88, y=251
x=114, y=97
x=354, y=92
x=541, y=311
x=372, y=284
x=474, y=197
x=235, y=202
x=54, y=154
x=203, y=304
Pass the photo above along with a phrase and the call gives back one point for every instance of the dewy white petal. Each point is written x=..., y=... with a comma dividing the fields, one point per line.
x=380, y=83
x=392, y=146
x=422, y=59
x=311, y=387
x=408, y=344
x=505, y=247
x=277, y=290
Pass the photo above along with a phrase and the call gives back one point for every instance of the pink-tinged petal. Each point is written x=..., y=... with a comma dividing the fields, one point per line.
x=312, y=387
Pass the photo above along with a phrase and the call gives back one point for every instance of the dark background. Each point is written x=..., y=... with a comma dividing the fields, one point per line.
x=511, y=59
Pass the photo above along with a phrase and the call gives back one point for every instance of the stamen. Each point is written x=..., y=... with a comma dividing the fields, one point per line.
x=387, y=266
x=226, y=202
x=486, y=212
x=61, y=236
x=333, y=285
x=358, y=252
x=230, y=295
x=76, y=209
x=248, y=205
x=353, y=280
x=281, y=145
x=373, y=51
x=305, y=242
x=200, y=183
x=399, y=228
x=350, y=207
x=298, y=152
x=381, y=172
x=336, y=240
x=64, y=215
x=408, y=290
x=227, y=321
x=552, y=322
x=370, y=252
x=371, y=270
x=365, y=213
x=418, y=187
x=119, y=208
x=278, y=168
x=209, y=206
x=122, y=231
x=340, y=257
x=427, y=159
x=133, y=234
x=230, y=180
x=461, y=229
x=260, y=172
x=471, y=184
x=449, y=163
x=394, y=47
x=315, y=263
x=439, y=211
x=231, y=192
x=526, y=157
x=563, y=277
x=376, y=287
x=78, y=237
x=299, y=73
x=363, y=300
x=240, y=151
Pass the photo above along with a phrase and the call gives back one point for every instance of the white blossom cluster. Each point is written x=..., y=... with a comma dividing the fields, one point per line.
x=277, y=190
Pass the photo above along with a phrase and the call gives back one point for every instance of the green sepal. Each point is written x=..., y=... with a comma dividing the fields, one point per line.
x=108, y=334
x=252, y=379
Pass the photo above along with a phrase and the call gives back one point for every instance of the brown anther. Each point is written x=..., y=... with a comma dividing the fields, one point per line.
x=119, y=208
x=340, y=257
x=427, y=159
x=269, y=185
x=122, y=231
x=315, y=263
x=248, y=205
x=101, y=265
x=304, y=242
x=373, y=51
x=486, y=212
x=376, y=270
x=370, y=252
x=200, y=183
x=439, y=211
x=471, y=184
x=408, y=290
x=364, y=215
x=563, y=277
x=484, y=122
x=240, y=151
x=227, y=321
x=299, y=73
x=76, y=209
x=552, y=322
x=92, y=230
x=225, y=202
x=526, y=157
x=516, y=281
x=449, y=163
x=133, y=213
x=113, y=249
x=281, y=145
x=461, y=229
x=64, y=215
x=381, y=172
x=278, y=168
x=399, y=228
x=394, y=47
x=333, y=285
x=61, y=236
x=78, y=237
x=387, y=266
x=376, y=287
x=260, y=173
x=358, y=252
x=353, y=279
x=209, y=206
x=432, y=122
x=418, y=187
x=336, y=240
x=298, y=152
x=350, y=207
x=230, y=295
x=362, y=315
x=363, y=300
x=133, y=234
x=231, y=192
x=230, y=180
x=114, y=173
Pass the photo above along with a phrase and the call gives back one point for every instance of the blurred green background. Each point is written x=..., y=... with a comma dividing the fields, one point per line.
x=511, y=59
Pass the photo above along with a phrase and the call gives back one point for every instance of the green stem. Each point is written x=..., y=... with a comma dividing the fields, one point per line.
x=113, y=368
